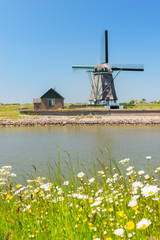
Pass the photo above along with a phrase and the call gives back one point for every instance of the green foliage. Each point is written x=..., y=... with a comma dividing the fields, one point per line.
x=12, y=111
x=131, y=103
x=110, y=205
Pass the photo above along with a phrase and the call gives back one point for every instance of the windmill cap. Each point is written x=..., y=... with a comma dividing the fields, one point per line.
x=104, y=67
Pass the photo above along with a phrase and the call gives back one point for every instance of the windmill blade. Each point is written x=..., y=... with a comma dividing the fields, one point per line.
x=104, y=47
x=86, y=68
x=127, y=67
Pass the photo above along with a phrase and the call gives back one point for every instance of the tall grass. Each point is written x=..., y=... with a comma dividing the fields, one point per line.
x=110, y=204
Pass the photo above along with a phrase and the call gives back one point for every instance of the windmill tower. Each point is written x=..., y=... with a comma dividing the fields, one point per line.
x=101, y=77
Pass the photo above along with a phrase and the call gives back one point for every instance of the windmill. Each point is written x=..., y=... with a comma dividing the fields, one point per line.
x=101, y=77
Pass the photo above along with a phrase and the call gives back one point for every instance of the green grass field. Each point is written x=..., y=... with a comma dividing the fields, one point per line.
x=12, y=111
x=110, y=204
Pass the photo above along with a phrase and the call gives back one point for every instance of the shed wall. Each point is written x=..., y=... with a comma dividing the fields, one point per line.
x=59, y=103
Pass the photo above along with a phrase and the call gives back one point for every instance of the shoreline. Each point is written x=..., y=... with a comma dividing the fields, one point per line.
x=29, y=121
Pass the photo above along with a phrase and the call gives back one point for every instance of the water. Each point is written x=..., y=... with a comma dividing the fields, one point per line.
x=24, y=147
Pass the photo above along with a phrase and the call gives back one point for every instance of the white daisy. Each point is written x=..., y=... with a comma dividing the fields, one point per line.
x=141, y=172
x=144, y=223
x=132, y=203
x=137, y=184
x=149, y=190
x=124, y=160
x=147, y=177
x=129, y=173
x=119, y=231
x=130, y=168
x=66, y=183
x=46, y=186
x=80, y=174
x=91, y=180
x=96, y=203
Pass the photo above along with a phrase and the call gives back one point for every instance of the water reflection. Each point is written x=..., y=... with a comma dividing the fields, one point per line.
x=23, y=147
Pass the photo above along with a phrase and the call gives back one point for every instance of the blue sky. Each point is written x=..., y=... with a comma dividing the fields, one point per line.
x=40, y=40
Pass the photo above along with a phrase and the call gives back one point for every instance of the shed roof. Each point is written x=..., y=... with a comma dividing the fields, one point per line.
x=51, y=93
x=36, y=100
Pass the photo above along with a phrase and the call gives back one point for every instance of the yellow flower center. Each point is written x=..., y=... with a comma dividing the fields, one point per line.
x=143, y=226
x=150, y=193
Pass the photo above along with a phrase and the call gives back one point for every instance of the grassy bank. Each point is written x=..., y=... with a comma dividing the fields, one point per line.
x=12, y=111
x=109, y=205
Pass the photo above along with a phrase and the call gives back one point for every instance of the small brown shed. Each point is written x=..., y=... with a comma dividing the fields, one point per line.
x=50, y=100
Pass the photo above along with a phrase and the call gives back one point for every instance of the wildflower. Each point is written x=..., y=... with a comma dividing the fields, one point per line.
x=149, y=190
x=46, y=186
x=66, y=183
x=41, y=192
x=101, y=172
x=27, y=208
x=130, y=168
x=12, y=175
x=135, y=208
x=9, y=196
x=141, y=172
x=18, y=185
x=130, y=225
x=91, y=180
x=132, y=203
x=147, y=177
x=110, y=209
x=60, y=198
x=80, y=174
x=120, y=213
x=119, y=232
x=108, y=238
x=124, y=160
x=96, y=203
x=144, y=223
x=129, y=173
x=85, y=220
x=137, y=184
x=90, y=200
x=7, y=167
x=148, y=157
x=130, y=235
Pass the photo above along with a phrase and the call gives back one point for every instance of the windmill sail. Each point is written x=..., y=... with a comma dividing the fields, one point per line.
x=104, y=47
x=127, y=67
